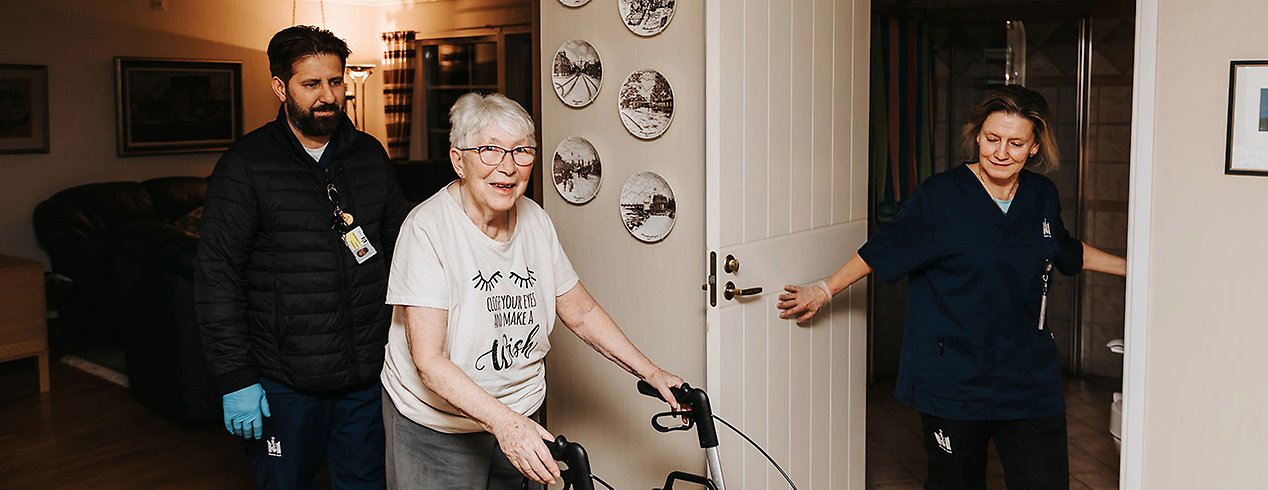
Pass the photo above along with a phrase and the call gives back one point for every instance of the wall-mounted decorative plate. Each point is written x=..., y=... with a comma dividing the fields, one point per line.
x=574, y=3
x=646, y=103
x=647, y=17
x=577, y=73
x=577, y=171
x=648, y=208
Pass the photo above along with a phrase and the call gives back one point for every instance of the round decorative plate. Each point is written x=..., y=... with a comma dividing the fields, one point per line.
x=574, y=3
x=577, y=73
x=647, y=17
x=577, y=171
x=648, y=208
x=646, y=103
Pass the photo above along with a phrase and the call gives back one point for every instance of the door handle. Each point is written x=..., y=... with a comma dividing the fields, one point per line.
x=732, y=292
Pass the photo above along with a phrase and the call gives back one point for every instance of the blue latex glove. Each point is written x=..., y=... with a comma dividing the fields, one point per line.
x=245, y=410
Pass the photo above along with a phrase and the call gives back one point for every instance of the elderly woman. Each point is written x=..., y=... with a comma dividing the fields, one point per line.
x=477, y=280
x=978, y=244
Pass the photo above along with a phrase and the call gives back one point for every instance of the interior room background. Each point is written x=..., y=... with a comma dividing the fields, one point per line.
x=78, y=40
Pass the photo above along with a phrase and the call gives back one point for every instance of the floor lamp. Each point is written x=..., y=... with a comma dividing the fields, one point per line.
x=358, y=74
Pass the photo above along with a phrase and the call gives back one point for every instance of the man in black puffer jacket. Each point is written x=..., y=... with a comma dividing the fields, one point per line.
x=298, y=229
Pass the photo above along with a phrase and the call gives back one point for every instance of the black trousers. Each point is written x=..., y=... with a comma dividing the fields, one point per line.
x=1032, y=452
x=342, y=429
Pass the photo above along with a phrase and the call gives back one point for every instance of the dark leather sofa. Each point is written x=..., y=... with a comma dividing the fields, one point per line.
x=131, y=269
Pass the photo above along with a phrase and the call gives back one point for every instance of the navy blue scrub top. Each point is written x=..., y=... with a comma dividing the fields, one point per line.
x=972, y=348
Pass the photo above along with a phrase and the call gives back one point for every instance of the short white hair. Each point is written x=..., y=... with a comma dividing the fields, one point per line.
x=472, y=113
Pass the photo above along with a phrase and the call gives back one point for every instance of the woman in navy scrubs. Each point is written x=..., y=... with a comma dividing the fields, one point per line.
x=979, y=244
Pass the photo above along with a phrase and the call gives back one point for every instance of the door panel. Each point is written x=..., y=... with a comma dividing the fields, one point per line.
x=786, y=122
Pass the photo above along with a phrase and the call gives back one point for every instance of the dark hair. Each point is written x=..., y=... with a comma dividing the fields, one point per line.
x=1021, y=101
x=294, y=43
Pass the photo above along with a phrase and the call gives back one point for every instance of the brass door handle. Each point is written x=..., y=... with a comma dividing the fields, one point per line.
x=731, y=292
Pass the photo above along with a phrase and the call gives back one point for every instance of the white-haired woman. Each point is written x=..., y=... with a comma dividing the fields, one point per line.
x=478, y=277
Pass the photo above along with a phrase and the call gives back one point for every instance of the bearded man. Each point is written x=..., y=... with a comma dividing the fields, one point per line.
x=298, y=231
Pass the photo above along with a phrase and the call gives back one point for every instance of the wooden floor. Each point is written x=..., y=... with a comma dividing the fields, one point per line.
x=88, y=433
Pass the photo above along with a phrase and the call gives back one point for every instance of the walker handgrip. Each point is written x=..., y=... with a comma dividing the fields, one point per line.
x=574, y=456
x=701, y=412
x=649, y=390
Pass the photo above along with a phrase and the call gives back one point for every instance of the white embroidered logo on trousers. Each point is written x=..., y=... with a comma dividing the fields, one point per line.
x=1047, y=229
x=944, y=442
x=275, y=447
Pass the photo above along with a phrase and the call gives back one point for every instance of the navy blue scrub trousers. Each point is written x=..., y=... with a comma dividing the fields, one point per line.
x=343, y=429
x=1033, y=452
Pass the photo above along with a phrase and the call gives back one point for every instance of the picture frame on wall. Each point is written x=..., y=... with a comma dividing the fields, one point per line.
x=1247, y=147
x=24, y=109
x=165, y=106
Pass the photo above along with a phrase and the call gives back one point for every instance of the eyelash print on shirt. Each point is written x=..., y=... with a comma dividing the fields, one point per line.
x=524, y=282
x=486, y=284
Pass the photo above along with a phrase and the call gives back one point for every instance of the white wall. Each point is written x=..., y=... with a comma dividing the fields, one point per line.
x=652, y=290
x=78, y=39
x=1205, y=395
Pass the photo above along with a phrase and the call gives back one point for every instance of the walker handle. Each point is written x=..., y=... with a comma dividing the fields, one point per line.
x=572, y=454
x=701, y=412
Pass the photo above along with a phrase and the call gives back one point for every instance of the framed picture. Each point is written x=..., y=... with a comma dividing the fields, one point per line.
x=1247, y=151
x=23, y=109
x=176, y=106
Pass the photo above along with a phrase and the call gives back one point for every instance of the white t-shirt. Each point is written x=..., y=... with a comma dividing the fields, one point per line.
x=317, y=152
x=501, y=302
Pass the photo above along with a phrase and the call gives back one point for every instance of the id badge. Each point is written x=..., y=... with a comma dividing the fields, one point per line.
x=359, y=245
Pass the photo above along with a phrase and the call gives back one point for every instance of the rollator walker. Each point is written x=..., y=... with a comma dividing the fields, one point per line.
x=698, y=415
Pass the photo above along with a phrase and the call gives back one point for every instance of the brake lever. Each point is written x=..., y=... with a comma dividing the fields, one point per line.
x=683, y=415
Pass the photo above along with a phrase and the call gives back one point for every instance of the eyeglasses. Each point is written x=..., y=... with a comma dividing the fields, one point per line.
x=493, y=155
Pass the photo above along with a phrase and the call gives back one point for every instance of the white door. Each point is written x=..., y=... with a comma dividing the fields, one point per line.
x=786, y=151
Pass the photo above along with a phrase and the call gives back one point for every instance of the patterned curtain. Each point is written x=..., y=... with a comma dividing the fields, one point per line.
x=398, y=90
x=901, y=111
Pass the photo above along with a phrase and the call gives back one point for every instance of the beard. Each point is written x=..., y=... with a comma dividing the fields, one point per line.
x=311, y=125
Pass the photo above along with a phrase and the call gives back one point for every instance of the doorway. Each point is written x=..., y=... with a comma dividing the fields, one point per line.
x=931, y=62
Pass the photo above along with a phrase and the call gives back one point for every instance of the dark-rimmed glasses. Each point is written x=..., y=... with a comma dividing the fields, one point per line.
x=492, y=155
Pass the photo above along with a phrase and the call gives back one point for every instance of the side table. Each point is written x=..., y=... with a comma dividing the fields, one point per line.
x=23, y=326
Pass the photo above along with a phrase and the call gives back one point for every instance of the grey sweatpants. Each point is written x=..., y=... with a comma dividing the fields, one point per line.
x=419, y=457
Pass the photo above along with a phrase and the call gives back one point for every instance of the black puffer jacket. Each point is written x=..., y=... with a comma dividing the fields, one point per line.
x=278, y=293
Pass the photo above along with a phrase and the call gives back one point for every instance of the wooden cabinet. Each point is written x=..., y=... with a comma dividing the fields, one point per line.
x=498, y=61
x=23, y=330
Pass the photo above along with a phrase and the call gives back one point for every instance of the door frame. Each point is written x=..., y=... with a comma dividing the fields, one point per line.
x=1139, y=244
x=712, y=188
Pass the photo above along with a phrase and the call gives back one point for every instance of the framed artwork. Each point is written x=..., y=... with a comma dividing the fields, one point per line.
x=646, y=17
x=648, y=208
x=577, y=170
x=1247, y=148
x=23, y=109
x=176, y=106
x=577, y=73
x=646, y=103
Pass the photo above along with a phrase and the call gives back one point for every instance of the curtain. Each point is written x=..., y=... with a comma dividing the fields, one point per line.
x=398, y=90
x=901, y=141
